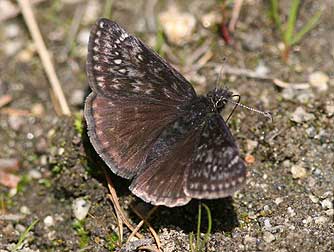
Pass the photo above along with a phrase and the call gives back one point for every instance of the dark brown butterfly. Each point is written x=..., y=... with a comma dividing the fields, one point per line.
x=147, y=123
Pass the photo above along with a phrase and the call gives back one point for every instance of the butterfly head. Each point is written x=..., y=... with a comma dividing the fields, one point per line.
x=219, y=97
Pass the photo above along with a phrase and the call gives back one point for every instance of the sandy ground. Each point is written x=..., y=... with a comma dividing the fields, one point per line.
x=287, y=203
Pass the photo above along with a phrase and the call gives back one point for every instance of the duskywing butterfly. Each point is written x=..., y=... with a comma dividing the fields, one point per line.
x=147, y=123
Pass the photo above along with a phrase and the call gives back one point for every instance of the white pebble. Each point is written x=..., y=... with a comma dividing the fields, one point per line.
x=330, y=212
x=80, y=208
x=177, y=26
x=300, y=115
x=313, y=198
x=298, y=172
x=267, y=224
x=291, y=211
x=48, y=221
x=319, y=80
x=321, y=220
x=327, y=204
x=35, y=174
x=278, y=200
x=268, y=237
x=25, y=210
x=83, y=37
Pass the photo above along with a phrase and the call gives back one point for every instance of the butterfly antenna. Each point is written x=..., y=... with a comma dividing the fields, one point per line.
x=266, y=114
x=235, y=106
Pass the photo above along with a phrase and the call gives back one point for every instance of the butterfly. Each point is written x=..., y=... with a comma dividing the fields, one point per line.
x=147, y=123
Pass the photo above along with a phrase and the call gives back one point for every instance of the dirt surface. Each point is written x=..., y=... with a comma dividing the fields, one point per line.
x=287, y=203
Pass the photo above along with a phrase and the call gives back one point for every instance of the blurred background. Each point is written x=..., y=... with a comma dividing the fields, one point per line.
x=278, y=55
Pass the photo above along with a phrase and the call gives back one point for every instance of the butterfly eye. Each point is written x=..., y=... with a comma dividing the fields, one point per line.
x=220, y=104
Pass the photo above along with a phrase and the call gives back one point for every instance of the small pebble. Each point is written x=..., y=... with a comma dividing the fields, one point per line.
x=278, y=200
x=12, y=47
x=12, y=30
x=25, y=210
x=311, y=132
x=178, y=27
x=52, y=235
x=319, y=80
x=210, y=19
x=77, y=97
x=320, y=220
x=267, y=224
x=37, y=109
x=327, y=204
x=249, y=240
x=48, y=221
x=262, y=69
x=20, y=228
x=83, y=37
x=291, y=211
x=61, y=151
x=313, y=198
x=298, y=172
x=16, y=122
x=330, y=212
x=300, y=115
x=80, y=208
x=268, y=237
x=266, y=208
x=251, y=145
x=307, y=220
x=35, y=174
x=329, y=110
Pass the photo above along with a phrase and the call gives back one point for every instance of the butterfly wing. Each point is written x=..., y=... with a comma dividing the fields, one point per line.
x=161, y=178
x=217, y=170
x=135, y=95
x=120, y=66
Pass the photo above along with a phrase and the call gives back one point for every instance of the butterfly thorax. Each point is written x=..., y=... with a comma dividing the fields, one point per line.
x=218, y=98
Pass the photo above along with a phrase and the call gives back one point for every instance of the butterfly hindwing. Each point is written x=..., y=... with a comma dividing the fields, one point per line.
x=217, y=170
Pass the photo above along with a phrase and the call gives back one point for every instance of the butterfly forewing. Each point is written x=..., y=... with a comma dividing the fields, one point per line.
x=119, y=66
x=217, y=170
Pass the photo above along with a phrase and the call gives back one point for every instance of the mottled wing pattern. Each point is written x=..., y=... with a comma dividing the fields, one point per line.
x=119, y=66
x=135, y=95
x=162, y=181
x=122, y=132
x=217, y=170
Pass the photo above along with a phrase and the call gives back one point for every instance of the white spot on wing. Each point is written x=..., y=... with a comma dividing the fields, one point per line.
x=118, y=61
x=97, y=68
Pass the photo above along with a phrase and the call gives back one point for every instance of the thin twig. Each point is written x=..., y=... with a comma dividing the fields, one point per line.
x=44, y=55
x=119, y=220
x=284, y=84
x=15, y=112
x=235, y=15
x=150, y=248
x=119, y=212
x=154, y=234
x=5, y=99
x=141, y=223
